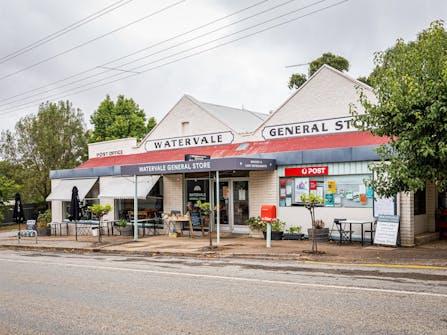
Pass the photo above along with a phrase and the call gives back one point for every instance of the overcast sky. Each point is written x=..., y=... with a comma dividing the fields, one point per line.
x=251, y=72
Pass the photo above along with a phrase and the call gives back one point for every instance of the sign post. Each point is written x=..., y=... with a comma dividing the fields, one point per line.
x=269, y=235
x=135, y=210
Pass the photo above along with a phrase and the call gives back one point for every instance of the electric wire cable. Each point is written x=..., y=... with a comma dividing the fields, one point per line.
x=126, y=56
x=26, y=105
x=119, y=67
x=92, y=40
x=96, y=15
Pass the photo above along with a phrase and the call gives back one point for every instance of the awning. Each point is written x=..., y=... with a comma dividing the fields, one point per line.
x=124, y=187
x=62, y=191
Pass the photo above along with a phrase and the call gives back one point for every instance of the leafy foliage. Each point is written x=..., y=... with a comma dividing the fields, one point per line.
x=52, y=139
x=310, y=202
x=100, y=210
x=337, y=62
x=120, y=119
x=257, y=224
x=7, y=190
x=410, y=83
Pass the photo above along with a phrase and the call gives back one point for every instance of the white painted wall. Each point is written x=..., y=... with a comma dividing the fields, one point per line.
x=123, y=146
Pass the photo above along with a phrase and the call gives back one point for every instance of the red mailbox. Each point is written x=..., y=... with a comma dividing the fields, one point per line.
x=268, y=212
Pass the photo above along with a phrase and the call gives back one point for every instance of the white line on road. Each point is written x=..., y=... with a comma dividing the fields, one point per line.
x=241, y=279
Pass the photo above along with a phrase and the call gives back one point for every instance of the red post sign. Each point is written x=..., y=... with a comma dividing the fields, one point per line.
x=308, y=171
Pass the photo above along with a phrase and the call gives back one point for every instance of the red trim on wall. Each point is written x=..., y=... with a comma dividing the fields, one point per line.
x=354, y=139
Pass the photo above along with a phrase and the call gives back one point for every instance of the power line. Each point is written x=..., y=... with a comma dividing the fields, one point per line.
x=26, y=105
x=67, y=29
x=92, y=40
x=297, y=65
x=125, y=56
x=168, y=48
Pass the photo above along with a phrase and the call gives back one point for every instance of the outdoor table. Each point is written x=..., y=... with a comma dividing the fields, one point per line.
x=174, y=219
x=361, y=223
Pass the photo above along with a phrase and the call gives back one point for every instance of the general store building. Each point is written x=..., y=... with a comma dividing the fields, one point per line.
x=309, y=139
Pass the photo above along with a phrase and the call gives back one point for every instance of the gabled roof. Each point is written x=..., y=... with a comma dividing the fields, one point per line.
x=324, y=67
x=240, y=120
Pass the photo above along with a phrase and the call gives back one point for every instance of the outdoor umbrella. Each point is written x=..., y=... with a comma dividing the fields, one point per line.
x=75, y=210
x=18, y=214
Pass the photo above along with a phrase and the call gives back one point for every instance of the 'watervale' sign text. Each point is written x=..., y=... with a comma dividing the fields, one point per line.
x=319, y=127
x=189, y=141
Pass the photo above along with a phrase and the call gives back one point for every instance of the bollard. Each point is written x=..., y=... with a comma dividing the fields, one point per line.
x=269, y=235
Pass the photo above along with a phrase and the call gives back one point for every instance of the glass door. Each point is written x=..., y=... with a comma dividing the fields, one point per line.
x=240, y=202
x=224, y=202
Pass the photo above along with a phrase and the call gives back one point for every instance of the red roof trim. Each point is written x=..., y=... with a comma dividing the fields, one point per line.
x=354, y=139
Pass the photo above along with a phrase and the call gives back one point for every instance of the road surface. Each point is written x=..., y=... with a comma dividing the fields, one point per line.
x=55, y=293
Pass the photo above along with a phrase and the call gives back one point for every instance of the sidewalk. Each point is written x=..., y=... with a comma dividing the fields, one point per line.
x=433, y=254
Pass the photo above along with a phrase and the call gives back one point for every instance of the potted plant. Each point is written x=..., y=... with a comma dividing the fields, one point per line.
x=99, y=211
x=123, y=227
x=256, y=225
x=205, y=213
x=43, y=220
x=317, y=233
x=293, y=233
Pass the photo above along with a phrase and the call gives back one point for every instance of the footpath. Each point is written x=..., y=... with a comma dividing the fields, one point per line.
x=432, y=255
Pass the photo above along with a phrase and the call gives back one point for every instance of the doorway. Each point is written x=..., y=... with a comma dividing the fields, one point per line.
x=234, y=204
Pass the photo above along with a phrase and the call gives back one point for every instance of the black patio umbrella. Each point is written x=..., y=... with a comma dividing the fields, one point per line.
x=18, y=214
x=75, y=210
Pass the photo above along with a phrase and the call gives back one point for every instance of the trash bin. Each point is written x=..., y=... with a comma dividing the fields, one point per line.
x=95, y=231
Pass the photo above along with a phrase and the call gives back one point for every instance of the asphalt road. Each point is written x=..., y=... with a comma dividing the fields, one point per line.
x=92, y=294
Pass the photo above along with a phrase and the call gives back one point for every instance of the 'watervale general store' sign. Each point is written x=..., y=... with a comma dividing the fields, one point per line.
x=318, y=127
x=220, y=164
x=189, y=141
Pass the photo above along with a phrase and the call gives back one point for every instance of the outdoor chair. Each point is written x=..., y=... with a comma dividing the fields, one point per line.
x=343, y=234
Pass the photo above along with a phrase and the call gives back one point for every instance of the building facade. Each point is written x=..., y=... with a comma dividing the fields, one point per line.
x=310, y=138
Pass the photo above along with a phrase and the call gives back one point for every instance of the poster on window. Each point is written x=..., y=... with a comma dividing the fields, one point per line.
x=301, y=187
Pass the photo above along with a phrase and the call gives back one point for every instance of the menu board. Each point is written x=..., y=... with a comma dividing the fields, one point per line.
x=387, y=229
x=384, y=206
x=195, y=218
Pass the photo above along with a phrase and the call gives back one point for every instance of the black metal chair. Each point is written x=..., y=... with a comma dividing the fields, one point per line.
x=343, y=234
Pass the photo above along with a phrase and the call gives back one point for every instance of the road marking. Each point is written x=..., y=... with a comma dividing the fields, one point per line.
x=383, y=265
x=241, y=279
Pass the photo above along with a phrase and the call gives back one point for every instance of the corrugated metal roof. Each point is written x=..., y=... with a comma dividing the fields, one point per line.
x=345, y=140
x=240, y=120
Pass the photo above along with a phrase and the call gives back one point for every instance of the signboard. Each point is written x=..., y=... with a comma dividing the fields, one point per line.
x=221, y=164
x=189, y=141
x=318, y=127
x=384, y=206
x=195, y=218
x=301, y=187
x=197, y=190
x=193, y=157
x=310, y=171
x=109, y=153
x=387, y=229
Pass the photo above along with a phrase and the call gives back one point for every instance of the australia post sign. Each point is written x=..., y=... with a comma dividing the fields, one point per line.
x=307, y=171
x=222, y=164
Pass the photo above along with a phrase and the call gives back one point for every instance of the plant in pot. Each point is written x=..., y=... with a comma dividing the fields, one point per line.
x=255, y=224
x=277, y=229
x=205, y=212
x=43, y=220
x=317, y=233
x=123, y=227
x=99, y=211
x=293, y=233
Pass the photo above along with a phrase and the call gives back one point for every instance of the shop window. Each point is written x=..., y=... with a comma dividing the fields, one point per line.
x=337, y=191
x=419, y=202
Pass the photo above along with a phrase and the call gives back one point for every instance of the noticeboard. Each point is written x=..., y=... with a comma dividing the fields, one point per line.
x=387, y=229
x=384, y=206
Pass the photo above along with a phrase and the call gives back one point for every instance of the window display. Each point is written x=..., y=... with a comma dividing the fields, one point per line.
x=336, y=191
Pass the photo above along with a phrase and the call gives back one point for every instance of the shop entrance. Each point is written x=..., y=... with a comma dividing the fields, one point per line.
x=233, y=200
x=233, y=194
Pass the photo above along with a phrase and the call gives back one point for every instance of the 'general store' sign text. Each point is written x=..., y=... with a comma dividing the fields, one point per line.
x=189, y=141
x=319, y=127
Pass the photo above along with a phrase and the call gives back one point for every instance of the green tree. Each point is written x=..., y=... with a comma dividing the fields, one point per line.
x=337, y=62
x=8, y=188
x=120, y=119
x=54, y=138
x=410, y=83
x=151, y=123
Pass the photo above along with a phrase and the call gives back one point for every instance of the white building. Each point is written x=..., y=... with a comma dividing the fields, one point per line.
x=309, y=137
